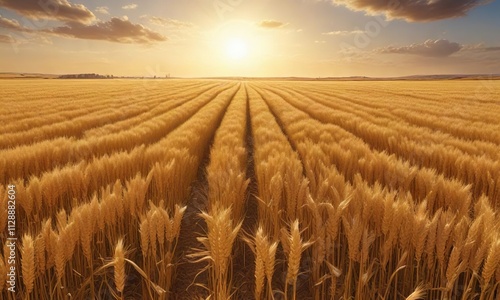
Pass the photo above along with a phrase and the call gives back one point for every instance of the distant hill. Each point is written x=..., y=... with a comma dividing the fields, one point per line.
x=452, y=77
x=8, y=75
x=365, y=78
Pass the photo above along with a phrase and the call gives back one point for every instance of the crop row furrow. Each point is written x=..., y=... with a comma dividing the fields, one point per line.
x=62, y=112
x=420, y=131
x=482, y=173
x=25, y=161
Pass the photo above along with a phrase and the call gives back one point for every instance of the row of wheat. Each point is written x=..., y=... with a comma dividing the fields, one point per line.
x=412, y=122
x=85, y=223
x=53, y=115
x=351, y=155
x=33, y=159
x=282, y=192
x=331, y=194
x=387, y=232
x=46, y=194
x=227, y=185
x=419, y=147
x=458, y=103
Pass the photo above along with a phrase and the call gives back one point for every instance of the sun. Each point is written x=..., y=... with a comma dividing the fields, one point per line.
x=237, y=49
x=237, y=46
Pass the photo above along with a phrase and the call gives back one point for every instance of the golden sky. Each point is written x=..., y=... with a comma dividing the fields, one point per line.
x=203, y=38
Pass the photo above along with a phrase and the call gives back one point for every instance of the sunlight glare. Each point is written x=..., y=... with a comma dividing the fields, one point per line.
x=237, y=49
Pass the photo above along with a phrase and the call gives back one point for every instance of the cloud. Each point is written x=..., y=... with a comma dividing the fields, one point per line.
x=102, y=10
x=6, y=39
x=414, y=10
x=116, y=30
x=25, y=39
x=27, y=36
x=319, y=42
x=480, y=48
x=491, y=49
x=430, y=48
x=271, y=24
x=168, y=22
x=130, y=6
x=61, y=10
x=343, y=32
x=12, y=24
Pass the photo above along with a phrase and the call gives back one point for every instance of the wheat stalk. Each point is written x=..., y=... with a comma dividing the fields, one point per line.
x=119, y=266
x=296, y=247
x=492, y=261
x=221, y=234
x=28, y=262
x=453, y=263
x=144, y=230
x=40, y=258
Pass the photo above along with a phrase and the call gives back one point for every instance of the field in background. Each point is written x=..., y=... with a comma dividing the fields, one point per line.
x=185, y=189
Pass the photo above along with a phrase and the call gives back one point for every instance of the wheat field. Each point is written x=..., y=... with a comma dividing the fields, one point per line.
x=222, y=189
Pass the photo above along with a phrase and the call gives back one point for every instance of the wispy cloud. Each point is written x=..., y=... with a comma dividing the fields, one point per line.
x=271, y=24
x=414, y=10
x=431, y=48
x=167, y=22
x=102, y=10
x=6, y=39
x=130, y=6
x=491, y=49
x=480, y=48
x=12, y=24
x=21, y=34
x=28, y=37
x=116, y=30
x=61, y=10
x=343, y=32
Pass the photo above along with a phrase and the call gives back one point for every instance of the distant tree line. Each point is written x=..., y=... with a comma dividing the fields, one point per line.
x=86, y=76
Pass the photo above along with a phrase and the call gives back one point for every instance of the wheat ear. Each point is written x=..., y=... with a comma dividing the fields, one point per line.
x=119, y=265
x=28, y=262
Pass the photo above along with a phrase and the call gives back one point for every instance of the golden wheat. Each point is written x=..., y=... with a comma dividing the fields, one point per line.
x=119, y=266
x=390, y=195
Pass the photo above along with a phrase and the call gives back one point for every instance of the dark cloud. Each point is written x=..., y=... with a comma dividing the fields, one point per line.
x=414, y=10
x=271, y=24
x=169, y=22
x=116, y=30
x=60, y=10
x=6, y=39
x=432, y=48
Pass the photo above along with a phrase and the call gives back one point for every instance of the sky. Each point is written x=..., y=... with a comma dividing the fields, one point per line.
x=252, y=38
